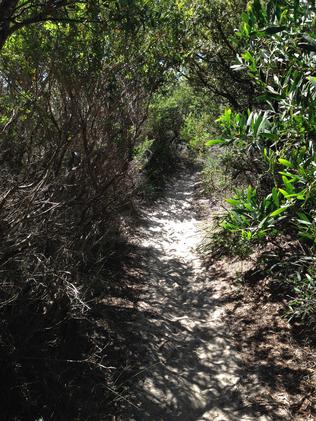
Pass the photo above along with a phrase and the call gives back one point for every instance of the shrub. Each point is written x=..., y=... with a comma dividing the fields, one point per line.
x=275, y=142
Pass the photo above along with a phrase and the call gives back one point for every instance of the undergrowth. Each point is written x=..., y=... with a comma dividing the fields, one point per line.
x=272, y=147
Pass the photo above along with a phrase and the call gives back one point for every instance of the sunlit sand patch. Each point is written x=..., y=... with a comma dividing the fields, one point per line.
x=192, y=370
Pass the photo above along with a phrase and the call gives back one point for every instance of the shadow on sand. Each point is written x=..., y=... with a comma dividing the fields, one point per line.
x=183, y=359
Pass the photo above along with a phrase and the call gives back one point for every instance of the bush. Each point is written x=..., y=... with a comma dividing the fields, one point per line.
x=273, y=145
x=303, y=305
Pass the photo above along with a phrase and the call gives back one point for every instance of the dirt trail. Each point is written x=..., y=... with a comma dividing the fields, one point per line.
x=190, y=367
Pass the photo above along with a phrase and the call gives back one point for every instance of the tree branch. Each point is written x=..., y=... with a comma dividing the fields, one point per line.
x=47, y=11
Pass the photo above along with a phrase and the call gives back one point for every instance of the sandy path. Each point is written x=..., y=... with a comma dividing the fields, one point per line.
x=191, y=370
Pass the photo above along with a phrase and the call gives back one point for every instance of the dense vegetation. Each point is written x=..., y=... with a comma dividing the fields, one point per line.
x=76, y=81
x=95, y=99
x=273, y=146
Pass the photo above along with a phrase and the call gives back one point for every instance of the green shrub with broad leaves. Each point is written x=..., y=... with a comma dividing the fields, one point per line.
x=275, y=142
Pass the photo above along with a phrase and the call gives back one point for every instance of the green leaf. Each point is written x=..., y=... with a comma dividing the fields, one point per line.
x=234, y=202
x=307, y=235
x=292, y=177
x=228, y=226
x=303, y=217
x=278, y=211
x=312, y=79
x=304, y=222
x=285, y=162
x=214, y=142
x=265, y=153
x=264, y=220
x=249, y=207
x=288, y=185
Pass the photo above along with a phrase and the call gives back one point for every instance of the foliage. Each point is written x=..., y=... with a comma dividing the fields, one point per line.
x=142, y=152
x=216, y=182
x=75, y=87
x=167, y=112
x=303, y=304
x=196, y=130
x=275, y=142
x=211, y=50
x=220, y=242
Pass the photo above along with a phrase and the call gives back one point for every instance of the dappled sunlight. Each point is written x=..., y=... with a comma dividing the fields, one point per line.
x=189, y=367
